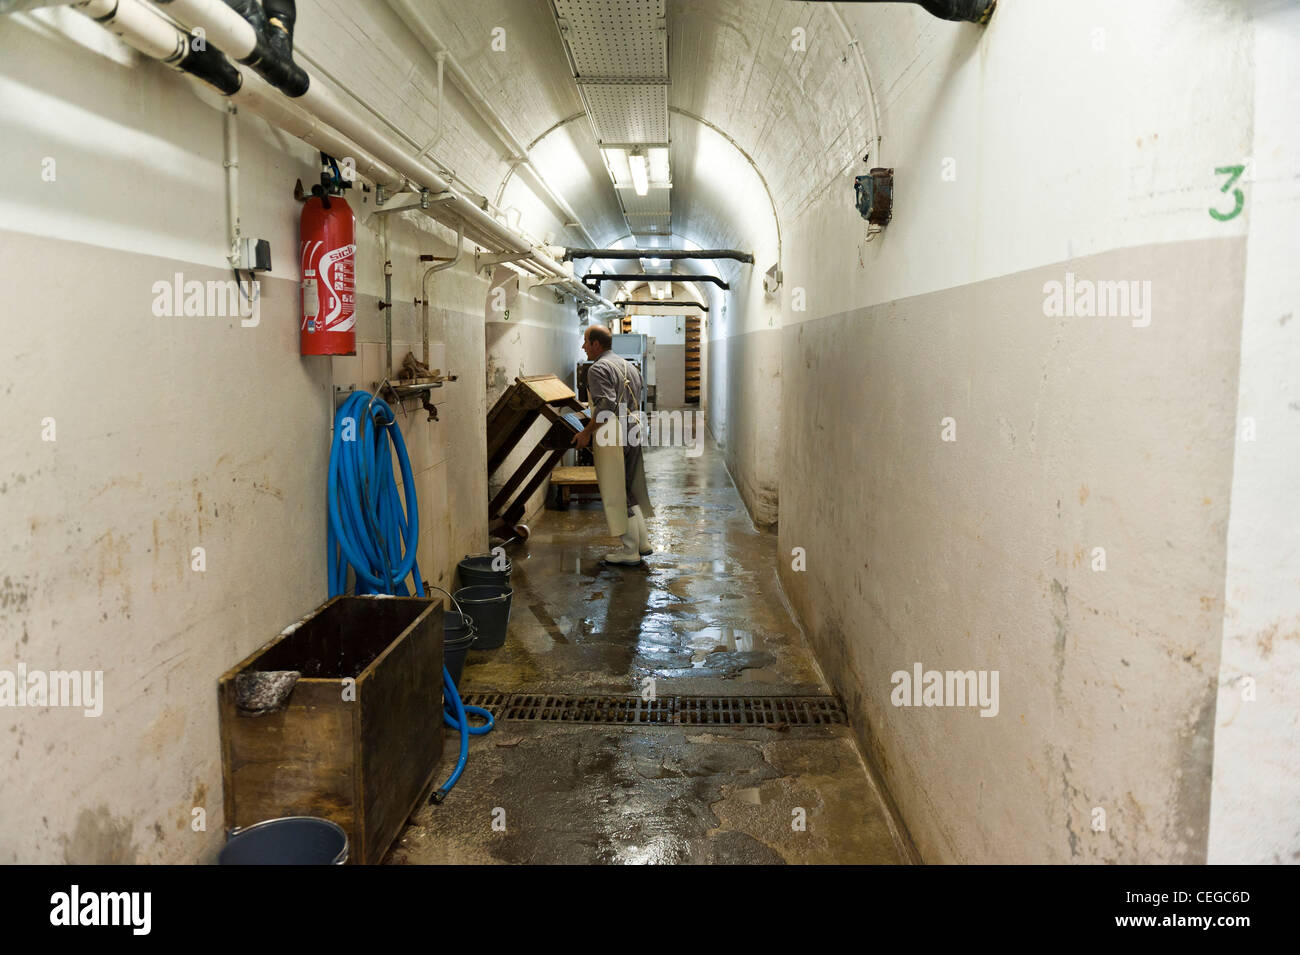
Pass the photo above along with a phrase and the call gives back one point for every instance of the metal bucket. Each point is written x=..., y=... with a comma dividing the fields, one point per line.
x=290, y=840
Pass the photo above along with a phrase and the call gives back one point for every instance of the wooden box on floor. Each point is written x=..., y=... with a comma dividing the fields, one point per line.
x=362, y=756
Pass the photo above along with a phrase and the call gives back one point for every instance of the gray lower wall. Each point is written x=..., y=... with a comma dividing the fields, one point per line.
x=1071, y=434
x=171, y=434
x=744, y=414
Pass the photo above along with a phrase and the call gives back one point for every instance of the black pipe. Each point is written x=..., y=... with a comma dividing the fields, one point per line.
x=570, y=254
x=203, y=62
x=281, y=16
x=599, y=277
x=211, y=66
x=967, y=11
x=272, y=56
x=702, y=308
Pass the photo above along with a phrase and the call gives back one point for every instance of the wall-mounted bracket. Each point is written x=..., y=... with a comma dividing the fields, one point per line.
x=483, y=260
x=405, y=202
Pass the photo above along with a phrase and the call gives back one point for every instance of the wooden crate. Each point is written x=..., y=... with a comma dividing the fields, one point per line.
x=508, y=423
x=361, y=756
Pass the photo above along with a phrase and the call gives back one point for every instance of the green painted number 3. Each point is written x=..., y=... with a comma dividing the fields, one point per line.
x=1234, y=173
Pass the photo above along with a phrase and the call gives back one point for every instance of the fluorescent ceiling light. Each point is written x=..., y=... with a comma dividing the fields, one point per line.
x=659, y=165
x=640, y=175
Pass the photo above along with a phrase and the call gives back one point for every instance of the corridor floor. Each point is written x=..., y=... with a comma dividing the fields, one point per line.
x=703, y=617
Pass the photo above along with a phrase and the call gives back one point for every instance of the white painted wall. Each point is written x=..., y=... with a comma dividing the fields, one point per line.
x=1255, y=804
x=1083, y=138
x=175, y=433
x=1071, y=432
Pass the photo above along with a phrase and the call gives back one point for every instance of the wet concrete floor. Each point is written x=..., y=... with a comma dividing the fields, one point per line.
x=703, y=617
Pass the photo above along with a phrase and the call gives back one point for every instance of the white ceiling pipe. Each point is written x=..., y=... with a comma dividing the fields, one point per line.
x=261, y=97
x=225, y=29
x=228, y=31
x=139, y=26
x=144, y=28
x=446, y=171
x=435, y=47
x=18, y=6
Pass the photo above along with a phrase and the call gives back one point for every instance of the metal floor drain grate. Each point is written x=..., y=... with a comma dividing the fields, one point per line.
x=663, y=710
x=759, y=711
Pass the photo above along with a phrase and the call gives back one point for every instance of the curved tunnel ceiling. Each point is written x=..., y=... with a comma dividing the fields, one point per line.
x=740, y=91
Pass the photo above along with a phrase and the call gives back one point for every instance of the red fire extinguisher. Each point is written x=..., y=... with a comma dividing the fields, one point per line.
x=328, y=255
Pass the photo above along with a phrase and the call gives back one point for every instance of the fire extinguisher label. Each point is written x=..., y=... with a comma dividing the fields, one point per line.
x=310, y=304
x=338, y=281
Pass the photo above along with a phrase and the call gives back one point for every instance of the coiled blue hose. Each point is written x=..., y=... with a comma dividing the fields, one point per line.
x=371, y=533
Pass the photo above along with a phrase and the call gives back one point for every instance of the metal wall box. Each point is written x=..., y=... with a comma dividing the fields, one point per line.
x=360, y=755
x=874, y=195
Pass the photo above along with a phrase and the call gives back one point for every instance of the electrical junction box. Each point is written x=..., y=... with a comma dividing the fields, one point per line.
x=254, y=255
x=873, y=195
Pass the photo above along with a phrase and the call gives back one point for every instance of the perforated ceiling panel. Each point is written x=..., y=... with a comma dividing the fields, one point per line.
x=657, y=223
x=615, y=39
x=627, y=114
x=654, y=202
x=619, y=55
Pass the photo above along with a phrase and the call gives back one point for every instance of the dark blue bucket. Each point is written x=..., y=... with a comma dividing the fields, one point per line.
x=292, y=840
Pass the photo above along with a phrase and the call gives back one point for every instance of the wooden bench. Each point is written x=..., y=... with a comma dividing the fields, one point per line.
x=567, y=480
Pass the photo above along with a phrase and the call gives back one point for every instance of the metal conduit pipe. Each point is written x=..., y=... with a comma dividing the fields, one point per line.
x=570, y=254
x=658, y=303
x=444, y=170
x=227, y=30
x=669, y=277
x=260, y=97
x=146, y=29
x=518, y=151
x=424, y=287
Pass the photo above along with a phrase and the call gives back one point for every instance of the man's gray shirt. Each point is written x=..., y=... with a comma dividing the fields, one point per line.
x=605, y=384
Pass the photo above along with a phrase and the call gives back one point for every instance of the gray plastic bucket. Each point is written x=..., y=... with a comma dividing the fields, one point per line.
x=458, y=633
x=478, y=572
x=489, y=605
x=291, y=840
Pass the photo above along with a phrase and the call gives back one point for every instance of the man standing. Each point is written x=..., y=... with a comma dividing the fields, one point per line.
x=614, y=394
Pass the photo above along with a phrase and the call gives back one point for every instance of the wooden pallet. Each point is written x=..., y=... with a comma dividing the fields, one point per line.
x=515, y=412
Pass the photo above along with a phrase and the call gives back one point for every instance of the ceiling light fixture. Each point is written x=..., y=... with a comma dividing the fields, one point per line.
x=640, y=175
